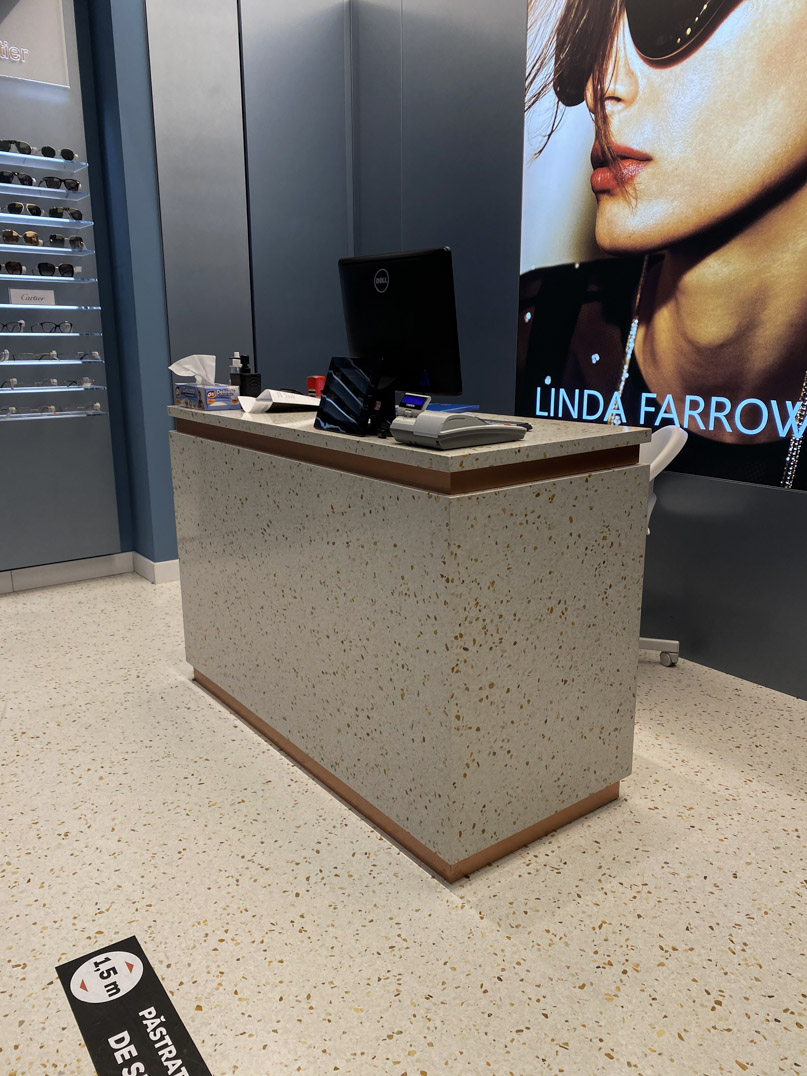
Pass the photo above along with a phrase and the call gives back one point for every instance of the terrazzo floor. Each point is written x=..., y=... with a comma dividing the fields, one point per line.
x=667, y=933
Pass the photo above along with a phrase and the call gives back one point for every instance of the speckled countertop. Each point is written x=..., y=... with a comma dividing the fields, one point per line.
x=548, y=438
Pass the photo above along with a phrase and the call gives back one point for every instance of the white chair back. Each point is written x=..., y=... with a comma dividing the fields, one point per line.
x=658, y=452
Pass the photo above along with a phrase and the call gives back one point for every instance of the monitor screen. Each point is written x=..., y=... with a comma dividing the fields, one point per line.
x=400, y=317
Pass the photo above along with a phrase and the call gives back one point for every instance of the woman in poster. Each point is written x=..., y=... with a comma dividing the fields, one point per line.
x=699, y=169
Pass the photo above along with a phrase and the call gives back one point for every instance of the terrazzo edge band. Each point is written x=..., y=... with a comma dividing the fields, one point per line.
x=451, y=872
x=452, y=482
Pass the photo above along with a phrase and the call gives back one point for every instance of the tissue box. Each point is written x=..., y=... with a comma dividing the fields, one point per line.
x=207, y=397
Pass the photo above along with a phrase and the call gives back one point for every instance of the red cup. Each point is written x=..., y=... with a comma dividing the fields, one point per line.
x=315, y=385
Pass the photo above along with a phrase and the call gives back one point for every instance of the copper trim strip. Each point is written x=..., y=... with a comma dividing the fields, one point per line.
x=404, y=474
x=450, y=871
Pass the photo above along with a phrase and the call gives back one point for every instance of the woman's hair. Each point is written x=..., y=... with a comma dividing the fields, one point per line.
x=569, y=50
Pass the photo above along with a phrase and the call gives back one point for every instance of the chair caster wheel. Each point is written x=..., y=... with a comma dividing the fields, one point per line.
x=667, y=659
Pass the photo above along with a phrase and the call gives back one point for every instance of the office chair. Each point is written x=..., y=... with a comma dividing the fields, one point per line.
x=658, y=452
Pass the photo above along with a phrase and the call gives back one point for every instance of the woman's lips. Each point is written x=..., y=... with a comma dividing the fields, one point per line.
x=605, y=179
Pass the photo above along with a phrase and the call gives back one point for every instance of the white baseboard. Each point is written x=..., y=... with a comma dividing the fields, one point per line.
x=70, y=571
x=159, y=571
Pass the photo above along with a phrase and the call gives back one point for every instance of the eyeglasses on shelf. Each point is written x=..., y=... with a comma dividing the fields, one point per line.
x=15, y=268
x=51, y=327
x=12, y=326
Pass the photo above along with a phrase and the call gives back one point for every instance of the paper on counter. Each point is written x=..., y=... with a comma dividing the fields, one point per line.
x=256, y=405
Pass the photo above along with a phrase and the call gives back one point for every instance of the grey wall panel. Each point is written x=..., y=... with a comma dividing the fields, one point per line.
x=57, y=491
x=725, y=575
x=198, y=130
x=376, y=55
x=295, y=105
x=462, y=136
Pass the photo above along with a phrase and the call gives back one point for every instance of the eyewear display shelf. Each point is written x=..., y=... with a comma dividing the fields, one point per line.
x=56, y=434
x=79, y=344
x=447, y=640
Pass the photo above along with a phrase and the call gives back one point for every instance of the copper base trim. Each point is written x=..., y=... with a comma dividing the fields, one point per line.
x=404, y=474
x=450, y=871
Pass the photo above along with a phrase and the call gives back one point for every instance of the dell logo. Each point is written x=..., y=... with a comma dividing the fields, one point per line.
x=381, y=280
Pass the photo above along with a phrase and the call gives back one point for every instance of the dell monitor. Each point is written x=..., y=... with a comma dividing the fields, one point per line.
x=401, y=319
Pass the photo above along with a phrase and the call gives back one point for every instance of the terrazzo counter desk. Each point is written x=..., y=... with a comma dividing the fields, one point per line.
x=447, y=640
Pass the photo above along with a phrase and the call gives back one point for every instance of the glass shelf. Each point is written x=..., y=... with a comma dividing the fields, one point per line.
x=19, y=192
x=50, y=416
x=27, y=389
x=33, y=222
x=10, y=278
x=39, y=306
x=20, y=162
x=28, y=249
x=48, y=362
x=62, y=336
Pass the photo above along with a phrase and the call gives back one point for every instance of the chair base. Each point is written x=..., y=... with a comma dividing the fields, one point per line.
x=668, y=649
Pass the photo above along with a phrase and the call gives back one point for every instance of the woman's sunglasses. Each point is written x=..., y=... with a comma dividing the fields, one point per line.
x=49, y=269
x=73, y=241
x=64, y=211
x=31, y=238
x=15, y=268
x=54, y=182
x=25, y=147
x=660, y=30
x=24, y=207
x=7, y=143
x=65, y=154
x=21, y=177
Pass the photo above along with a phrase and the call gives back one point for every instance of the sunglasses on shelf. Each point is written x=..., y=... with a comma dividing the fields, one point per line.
x=51, y=327
x=31, y=238
x=74, y=241
x=660, y=30
x=24, y=207
x=65, y=154
x=22, y=177
x=54, y=182
x=12, y=326
x=7, y=143
x=62, y=210
x=15, y=268
x=49, y=269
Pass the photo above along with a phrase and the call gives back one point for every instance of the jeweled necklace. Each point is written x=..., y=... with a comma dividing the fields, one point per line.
x=794, y=448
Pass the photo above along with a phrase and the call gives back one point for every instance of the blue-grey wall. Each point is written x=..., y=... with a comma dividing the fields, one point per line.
x=117, y=53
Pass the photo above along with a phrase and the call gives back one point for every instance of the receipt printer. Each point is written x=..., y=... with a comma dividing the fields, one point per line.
x=414, y=425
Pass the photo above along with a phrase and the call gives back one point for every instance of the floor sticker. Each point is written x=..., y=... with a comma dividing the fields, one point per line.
x=125, y=1015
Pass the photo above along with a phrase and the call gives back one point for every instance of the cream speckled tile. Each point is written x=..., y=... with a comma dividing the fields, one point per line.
x=662, y=935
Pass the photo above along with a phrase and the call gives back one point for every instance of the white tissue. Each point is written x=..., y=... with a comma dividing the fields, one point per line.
x=201, y=367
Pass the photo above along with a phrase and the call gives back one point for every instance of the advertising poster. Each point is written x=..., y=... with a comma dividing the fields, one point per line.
x=664, y=247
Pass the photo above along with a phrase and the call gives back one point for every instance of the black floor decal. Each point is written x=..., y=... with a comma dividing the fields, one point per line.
x=125, y=1015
